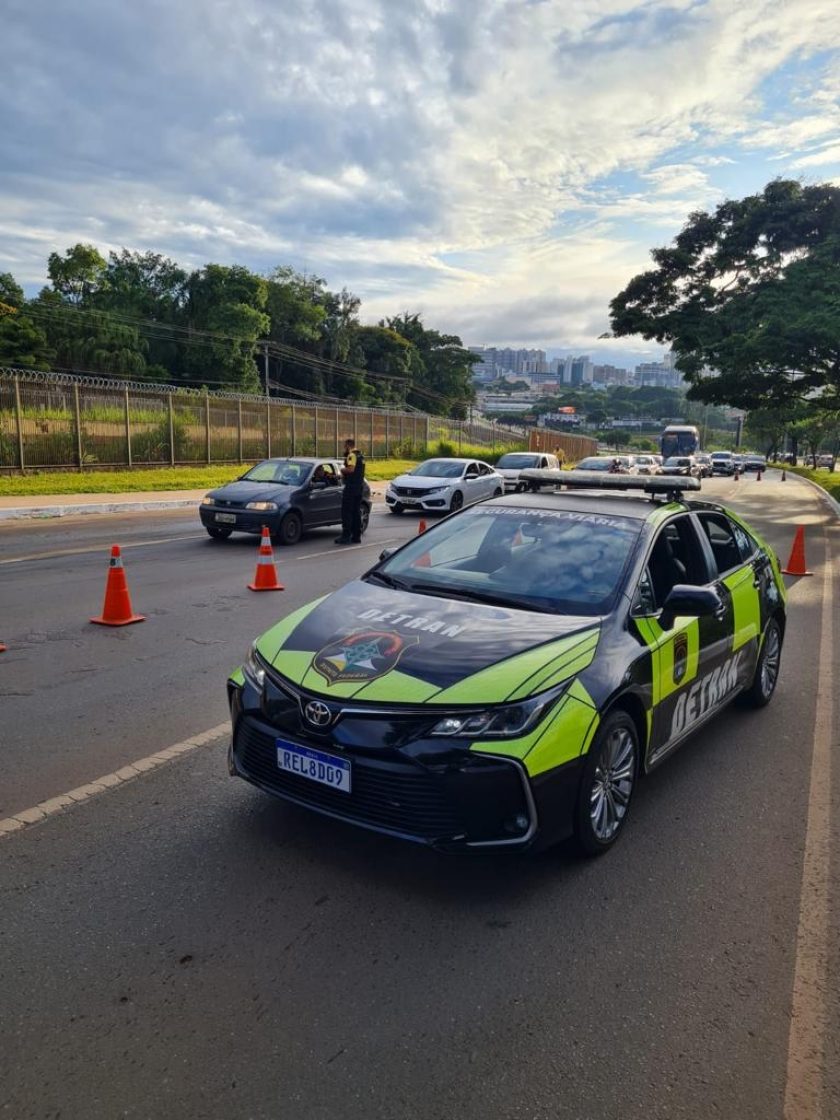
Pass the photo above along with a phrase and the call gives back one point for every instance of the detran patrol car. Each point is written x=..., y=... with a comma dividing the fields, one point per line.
x=505, y=678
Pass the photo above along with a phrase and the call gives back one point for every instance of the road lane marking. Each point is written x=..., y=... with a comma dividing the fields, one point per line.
x=45, y=809
x=95, y=548
x=804, y=1088
x=163, y=540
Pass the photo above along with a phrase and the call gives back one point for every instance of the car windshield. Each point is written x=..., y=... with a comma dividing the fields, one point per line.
x=555, y=561
x=675, y=461
x=439, y=468
x=281, y=472
x=517, y=462
x=721, y=454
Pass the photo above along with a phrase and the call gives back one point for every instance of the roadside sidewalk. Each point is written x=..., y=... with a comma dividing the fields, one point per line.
x=73, y=505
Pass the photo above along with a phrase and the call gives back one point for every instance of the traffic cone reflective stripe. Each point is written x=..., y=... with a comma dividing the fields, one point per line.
x=116, y=610
x=265, y=578
x=796, y=564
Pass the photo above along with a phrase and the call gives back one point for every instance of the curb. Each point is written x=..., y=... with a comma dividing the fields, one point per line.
x=832, y=503
x=15, y=513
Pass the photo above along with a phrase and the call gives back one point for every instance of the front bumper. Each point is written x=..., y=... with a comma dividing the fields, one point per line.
x=245, y=521
x=434, y=503
x=458, y=801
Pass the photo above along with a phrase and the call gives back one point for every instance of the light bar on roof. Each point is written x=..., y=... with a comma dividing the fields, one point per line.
x=604, y=480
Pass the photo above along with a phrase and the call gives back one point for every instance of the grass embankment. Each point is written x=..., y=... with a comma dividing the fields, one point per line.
x=830, y=481
x=165, y=478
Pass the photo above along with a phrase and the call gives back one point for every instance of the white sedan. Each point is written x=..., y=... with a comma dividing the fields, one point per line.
x=444, y=485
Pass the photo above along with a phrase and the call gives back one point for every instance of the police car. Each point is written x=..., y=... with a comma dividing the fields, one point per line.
x=505, y=679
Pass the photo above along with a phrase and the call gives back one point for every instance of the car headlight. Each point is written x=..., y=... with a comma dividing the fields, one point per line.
x=208, y=501
x=434, y=490
x=252, y=668
x=261, y=505
x=508, y=721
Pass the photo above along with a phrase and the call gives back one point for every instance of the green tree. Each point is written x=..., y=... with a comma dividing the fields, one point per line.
x=23, y=344
x=225, y=311
x=78, y=274
x=751, y=291
x=444, y=368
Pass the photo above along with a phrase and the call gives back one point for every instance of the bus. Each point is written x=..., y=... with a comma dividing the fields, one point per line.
x=679, y=439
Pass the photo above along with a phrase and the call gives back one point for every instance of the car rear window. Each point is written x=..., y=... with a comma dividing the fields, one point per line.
x=550, y=560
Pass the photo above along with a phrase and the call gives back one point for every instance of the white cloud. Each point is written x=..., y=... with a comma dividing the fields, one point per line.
x=505, y=166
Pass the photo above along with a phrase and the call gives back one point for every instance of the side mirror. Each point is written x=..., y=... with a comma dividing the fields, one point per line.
x=385, y=553
x=692, y=602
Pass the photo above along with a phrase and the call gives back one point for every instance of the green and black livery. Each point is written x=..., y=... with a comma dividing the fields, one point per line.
x=424, y=693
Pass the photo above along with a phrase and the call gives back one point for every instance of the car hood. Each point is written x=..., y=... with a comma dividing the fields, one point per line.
x=378, y=644
x=423, y=482
x=252, y=492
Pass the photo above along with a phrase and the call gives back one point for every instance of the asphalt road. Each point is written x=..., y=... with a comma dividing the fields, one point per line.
x=184, y=946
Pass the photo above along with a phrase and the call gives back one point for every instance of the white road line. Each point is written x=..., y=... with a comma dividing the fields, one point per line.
x=166, y=540
x=804, y=1092
x=53, y=805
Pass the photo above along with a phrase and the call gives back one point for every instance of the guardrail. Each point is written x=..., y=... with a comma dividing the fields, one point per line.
x=62, y=420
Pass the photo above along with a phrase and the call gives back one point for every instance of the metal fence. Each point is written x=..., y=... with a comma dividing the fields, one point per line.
x=70, y=421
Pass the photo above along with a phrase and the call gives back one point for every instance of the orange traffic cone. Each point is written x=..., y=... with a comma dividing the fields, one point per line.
x=758, y=475
x=796, y=563
x=116, y=610
x=784, y=475
x=421, y=528
x=2, y=648
x=737, y=474
x=265, y=578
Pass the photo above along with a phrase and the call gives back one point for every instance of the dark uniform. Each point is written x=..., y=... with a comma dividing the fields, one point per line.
x=351, y=499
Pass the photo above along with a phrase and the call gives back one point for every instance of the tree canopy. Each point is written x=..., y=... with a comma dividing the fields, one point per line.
x=749, y=298
x=140, y=315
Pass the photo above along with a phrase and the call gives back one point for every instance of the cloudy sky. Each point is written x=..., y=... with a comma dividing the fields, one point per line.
x=502, y=166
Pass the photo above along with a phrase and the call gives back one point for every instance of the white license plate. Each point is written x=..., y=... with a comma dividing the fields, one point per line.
x=314, y=765
x=409, y=501
x=226, y=518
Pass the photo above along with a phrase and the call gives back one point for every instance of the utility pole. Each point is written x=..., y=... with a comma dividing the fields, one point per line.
x=265, y=366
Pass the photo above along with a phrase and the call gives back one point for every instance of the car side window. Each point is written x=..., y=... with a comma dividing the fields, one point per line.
x=645, y=602
x=676, y=557
x=720, y=532
x=484, y=469
x=329, y=475
x=471, y=471
x=746, y=545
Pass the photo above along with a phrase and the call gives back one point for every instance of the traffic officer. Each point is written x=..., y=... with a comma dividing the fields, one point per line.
x=353, y=474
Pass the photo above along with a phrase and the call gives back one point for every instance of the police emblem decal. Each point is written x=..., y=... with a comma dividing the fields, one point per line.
x=680, y=657
x=363, y=656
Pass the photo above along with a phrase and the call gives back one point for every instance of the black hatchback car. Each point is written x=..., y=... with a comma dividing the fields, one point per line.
x=288, y=495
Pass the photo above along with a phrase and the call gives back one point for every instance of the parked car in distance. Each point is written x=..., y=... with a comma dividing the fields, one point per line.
x=723, y=462
x=288, y=495
x=511, y=464
x=647, y=464
x=704, y=462
x=825, y=462
x=616, y=464
x=443, y=486
x=682, y=465
x=755, y=463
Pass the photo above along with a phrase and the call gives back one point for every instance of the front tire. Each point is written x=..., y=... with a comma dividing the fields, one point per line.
x=218, y=534
x=760, y=691
x=607, y=784
x=456, y=501
x=291, y=529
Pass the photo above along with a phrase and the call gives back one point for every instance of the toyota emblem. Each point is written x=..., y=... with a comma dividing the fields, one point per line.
x=318, y=714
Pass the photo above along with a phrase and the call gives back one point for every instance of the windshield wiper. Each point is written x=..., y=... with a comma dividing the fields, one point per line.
x=477, y=597
x=389, y=581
